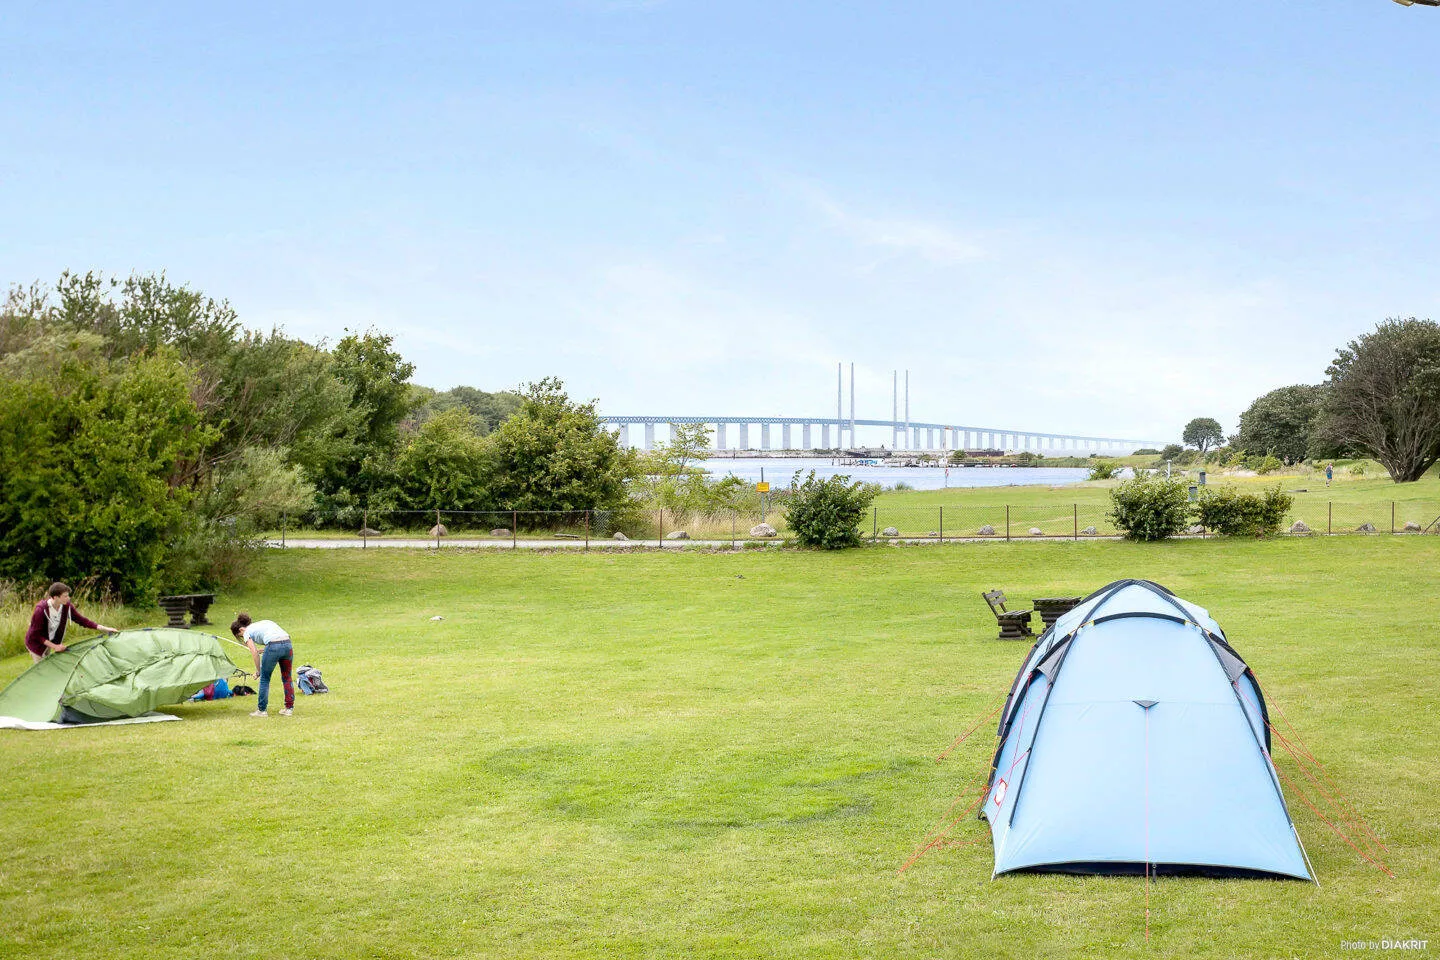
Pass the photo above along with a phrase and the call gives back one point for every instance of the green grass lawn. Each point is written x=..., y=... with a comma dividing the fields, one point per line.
x=697, y=754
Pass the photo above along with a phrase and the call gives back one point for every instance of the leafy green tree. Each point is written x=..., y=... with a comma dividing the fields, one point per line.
x=1171, y=451
x=443, y=467
x=352, y=460
x=1150, y=507
x=88, y=451
x=1202, y=433
x=553, y=454
x=488, y=409
x=672, y=481
x=827, y=513
x=1384, y=397
x=256, y=489
x=1281, y=423
x=1104, y=470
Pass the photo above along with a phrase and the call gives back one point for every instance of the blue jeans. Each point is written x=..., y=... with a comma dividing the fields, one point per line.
x=283, y=653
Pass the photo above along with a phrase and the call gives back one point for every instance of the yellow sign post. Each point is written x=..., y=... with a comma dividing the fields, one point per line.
x=762, y=487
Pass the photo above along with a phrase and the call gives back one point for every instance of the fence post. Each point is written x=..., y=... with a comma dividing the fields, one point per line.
x=587, y=529
x=1392, y=516
x=1075, y=518
x=942, y=523
x=514, y=529
x=1007, y=523
x=1329, y=517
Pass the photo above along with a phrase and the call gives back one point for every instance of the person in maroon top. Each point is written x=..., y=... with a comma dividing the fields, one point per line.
x=52, y=615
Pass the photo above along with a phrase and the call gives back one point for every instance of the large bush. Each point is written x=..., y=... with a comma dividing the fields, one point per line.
x=1228, y=511
x=553, y=454
x=88, y=451
x=1150, y=507
x=1104, y=470
x=827, y=513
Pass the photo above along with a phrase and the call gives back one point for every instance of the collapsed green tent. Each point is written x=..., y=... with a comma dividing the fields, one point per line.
x=125, y=674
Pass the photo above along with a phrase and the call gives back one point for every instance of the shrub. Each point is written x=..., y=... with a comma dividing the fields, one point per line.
x=1226, y=510
x=827, y=513
x=1171, y=451
x=1150, y=508
x=1147, y=452
x=1263, y=465
x=1104, y=470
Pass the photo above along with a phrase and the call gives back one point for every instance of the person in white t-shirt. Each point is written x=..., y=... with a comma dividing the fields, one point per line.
x=270, y=646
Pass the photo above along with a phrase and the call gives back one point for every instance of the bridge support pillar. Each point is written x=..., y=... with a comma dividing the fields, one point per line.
x=825, y=436
x=649, y=436
x=742, y=435
x=719, y=436
x=764, y=436
x=624, y=434
x=785, y=436
x=805, y=437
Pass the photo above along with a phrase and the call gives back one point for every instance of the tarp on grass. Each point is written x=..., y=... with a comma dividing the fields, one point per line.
x=122, y=675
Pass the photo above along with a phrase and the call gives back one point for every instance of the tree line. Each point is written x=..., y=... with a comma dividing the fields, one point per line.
x=1380, y=398
x=146, y=435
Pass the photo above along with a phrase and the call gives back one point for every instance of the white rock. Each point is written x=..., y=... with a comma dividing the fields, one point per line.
x=762, y=530
x=1196, y=530
x=500, y=532
x=1036, y=532
x=367, y=532
x=620, y=536
x=986, y=531
x=1366, y=528
x=1089, y=532
x=677, y=535
x=1299, y=526
x=1412, y=527
x=439, y=530
x=889, y=532
x=433, y=619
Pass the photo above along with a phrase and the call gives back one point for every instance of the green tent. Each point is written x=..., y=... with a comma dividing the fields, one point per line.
x=121, y=675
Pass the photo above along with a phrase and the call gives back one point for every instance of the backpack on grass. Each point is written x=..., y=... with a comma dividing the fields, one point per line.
x=307, y=678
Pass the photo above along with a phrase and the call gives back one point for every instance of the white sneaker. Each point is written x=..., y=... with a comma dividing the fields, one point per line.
x=287, y=712
x=259, y=713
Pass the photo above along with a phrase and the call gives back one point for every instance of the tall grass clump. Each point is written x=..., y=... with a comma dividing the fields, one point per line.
x=18, y=602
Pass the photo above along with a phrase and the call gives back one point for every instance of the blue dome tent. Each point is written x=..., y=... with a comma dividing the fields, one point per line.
x=1135, y=740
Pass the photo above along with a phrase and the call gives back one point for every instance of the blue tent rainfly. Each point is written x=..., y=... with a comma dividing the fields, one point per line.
x=1135, y=735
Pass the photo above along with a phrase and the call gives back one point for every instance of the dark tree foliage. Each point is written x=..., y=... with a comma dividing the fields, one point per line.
x=352, y=459
x=827, y=513
x=87, y=448
x=1282, y=423
x=1171, y=451
x=1384, y=397
x=489, y=410
x=553, y=454
x=1203, y=433
x=443, y=466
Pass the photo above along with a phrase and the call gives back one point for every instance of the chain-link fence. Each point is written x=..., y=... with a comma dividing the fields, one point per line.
x=663, y=528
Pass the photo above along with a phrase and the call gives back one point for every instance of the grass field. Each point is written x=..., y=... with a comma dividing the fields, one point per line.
x=698, y=755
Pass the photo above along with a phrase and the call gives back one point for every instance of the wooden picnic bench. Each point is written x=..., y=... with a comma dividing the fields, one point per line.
x=1053, y=608
x=1014, y=624
x=195, y=604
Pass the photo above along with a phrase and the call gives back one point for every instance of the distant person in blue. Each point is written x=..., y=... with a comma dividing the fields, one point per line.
x=269, y=645
x=1329, y=473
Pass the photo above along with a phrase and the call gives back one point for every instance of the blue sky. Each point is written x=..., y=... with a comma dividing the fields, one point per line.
x=1066, y=216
